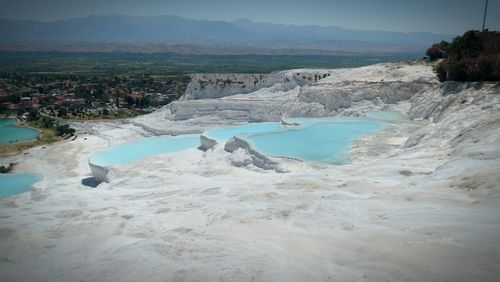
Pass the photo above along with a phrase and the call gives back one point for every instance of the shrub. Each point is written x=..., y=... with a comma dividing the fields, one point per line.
x=4, y=169
x=64, y=129
x=456, y=70
x=475, y=56
x=441, y=71
x=47, y=122
x=62, y=112
x=33, y=114
x=437, y=51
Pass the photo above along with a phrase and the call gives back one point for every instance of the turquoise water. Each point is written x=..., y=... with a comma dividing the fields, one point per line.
x=10, y=133
x=226, y=133
x=317, y=139
x=386, y=115
x=16, y=183
x=327, y=142
x=136, y=150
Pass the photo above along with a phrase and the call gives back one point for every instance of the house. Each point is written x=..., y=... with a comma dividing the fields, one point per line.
x=79, y=102
x=12, y=106
x=25, y=103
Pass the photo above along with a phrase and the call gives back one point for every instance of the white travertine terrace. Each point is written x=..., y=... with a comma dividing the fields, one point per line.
x=419, y=202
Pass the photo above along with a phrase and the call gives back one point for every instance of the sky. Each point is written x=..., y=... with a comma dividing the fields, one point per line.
x=438, y=16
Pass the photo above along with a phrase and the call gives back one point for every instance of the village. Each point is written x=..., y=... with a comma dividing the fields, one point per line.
x=75, y=97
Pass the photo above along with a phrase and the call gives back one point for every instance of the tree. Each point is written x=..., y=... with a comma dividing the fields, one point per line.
x=34, y=114
x=437, y=51
x=98, y=93
x=62, y=112
x=474, y=56
x=47, y=122
x=469, y=45
x=129, y=100
x=84, y=93
x=64, y=129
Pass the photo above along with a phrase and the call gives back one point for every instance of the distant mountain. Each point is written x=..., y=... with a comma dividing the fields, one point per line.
x=284, y=32
x=177, y=30
x=115, y=28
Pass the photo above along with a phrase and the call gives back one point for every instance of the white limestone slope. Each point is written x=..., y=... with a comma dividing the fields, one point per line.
x=419, y=202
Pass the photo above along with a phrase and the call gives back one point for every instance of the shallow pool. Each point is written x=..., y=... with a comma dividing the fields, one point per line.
x=317, y=139
x=16, y=183
x=136, y=150
x=10, y=133
x=323, y=141
x=225, y=133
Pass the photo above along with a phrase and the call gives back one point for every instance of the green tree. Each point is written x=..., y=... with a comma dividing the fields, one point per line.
x=34, y=114
x=47, y=122
x=64, y=129
x=474, y=56
x=62, y=112
x=129, y=100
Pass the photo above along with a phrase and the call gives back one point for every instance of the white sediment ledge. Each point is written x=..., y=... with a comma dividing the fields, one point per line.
x=258, y=159
x=287, y=123
x=207, y=143
x=100, y=173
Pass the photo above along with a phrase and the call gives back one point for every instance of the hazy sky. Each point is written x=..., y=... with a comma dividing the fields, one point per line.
x=440, y=16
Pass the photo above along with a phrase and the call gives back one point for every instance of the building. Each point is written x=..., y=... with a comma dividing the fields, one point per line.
x=26, y=103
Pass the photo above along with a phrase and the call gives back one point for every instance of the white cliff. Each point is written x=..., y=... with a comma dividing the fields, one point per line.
x=211, y=86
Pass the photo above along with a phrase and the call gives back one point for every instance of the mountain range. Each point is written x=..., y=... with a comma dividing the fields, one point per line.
x=170, y=29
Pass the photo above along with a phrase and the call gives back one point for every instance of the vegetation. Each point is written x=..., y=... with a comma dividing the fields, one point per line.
x=64, y=129
x=46, y=122
x=95, y=66
x=50, y=131
x=475, y=56
x=7, y=169
x=47, y=136
x=437, y=51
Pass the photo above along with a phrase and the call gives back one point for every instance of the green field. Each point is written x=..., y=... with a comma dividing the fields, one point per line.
x=94, y=64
